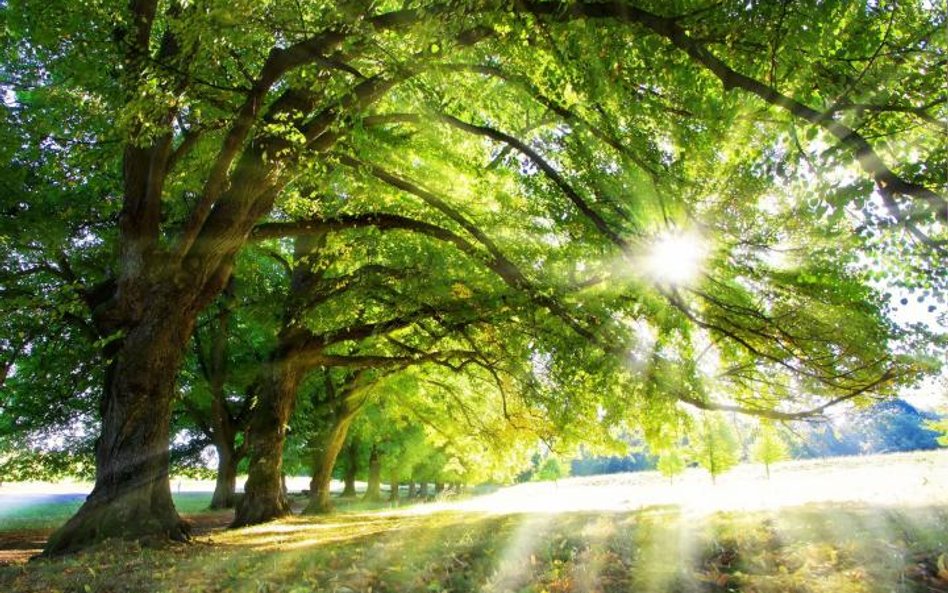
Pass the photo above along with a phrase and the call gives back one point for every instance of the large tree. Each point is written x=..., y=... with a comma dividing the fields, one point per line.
x=592, y=126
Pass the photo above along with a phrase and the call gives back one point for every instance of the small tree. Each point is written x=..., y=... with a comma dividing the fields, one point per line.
x=551, y=469
x=671, y=463
x=714, y=446
x=769, y=447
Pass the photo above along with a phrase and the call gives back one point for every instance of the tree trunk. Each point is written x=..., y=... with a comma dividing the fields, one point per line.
x=226, y=487
x=352, y=469
x=423, y=490
x=373, y=490
x=326, y=450
x=393, y=489
x=439, y=487
x=264, y=498
x=224, y=428
x=132, y=493
x=411, y=489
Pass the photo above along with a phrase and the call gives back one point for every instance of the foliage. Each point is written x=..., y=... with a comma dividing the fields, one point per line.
x=460, y=202
x=940, y=426
x=671, y=463
x=713, y=444
x=769, y=447
x=888, y=426
x=551, y=469
x=588, y=465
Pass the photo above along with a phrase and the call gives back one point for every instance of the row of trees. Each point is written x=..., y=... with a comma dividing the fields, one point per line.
x=242, y=223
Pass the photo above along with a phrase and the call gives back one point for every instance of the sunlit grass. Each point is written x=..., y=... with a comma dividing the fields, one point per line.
x=806, y=547
x=839, y=548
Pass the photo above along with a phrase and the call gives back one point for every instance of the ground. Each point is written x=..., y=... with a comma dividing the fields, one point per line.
x=602, y=534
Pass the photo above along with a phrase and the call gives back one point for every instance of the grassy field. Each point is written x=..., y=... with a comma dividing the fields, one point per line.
x=51, y=513
x=811, y=546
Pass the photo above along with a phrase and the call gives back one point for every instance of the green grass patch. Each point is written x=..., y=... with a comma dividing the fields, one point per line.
x=17, y=515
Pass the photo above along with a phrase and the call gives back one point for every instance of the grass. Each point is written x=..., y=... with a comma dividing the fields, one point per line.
x=52, y=514
x=810, y=547
x=813, y=549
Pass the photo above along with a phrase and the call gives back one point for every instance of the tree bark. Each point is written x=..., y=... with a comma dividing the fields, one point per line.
x=393, y=490
x=132, y=493
x=423, y=490
x=264, y=498
x=226, y=486
x=224, y=427
x=327, y=449
x=373, y=490
x=352, y=469
x=411, y=489
x=439, y=487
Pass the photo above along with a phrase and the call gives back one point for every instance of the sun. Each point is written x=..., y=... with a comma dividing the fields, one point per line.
x=675, y=258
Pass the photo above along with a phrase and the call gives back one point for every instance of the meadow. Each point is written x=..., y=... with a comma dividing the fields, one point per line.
x=852, y=525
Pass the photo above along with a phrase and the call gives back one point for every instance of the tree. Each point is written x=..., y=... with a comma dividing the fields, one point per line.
x=215, y=382
x=350, y=466
x=380, y=333
x=373, y=488
x=940, y=426
x=551, y=469
x=575, y=138
x=769, y=447
x=713, y=444
x=671, y=463
x=342, y=404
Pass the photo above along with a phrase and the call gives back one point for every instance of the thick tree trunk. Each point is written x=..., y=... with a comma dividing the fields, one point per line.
x=411, y=490
x=132, y=493
x=439, y=487
x=373, y=490
x=264, y=498
x=226, y=487
x=326, y=450
x=352, y=469
x=423, y=490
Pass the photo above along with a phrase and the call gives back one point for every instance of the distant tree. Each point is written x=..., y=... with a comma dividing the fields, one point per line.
x=551, y=469
x=671, y=463
x=714, y=445
x=886, y=427
x=633, y=456
x=769, y=447
x=940, y=427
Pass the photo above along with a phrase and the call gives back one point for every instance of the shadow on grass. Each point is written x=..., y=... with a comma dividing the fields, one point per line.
x=815, y=548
